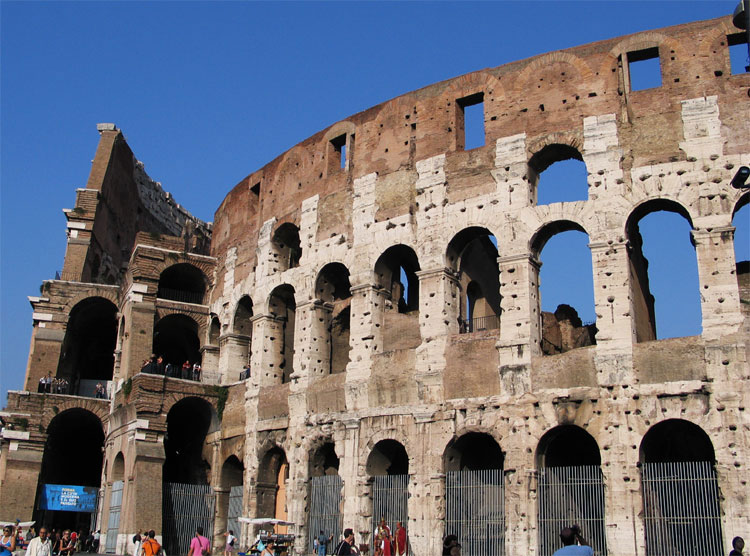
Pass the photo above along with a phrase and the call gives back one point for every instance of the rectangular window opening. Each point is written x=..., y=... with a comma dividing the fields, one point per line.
x=255, y=190
x=644, y=69
x=338, y=152
x=738, y=55
x=470, y=125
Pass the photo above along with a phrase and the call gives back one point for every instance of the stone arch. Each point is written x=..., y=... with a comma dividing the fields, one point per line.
x=676, y=440
x=118, y=468
x=189, y=420
x=566, y=446
x=214, y=330
x=548, y=229
x=538, y=63
x=177, y=338
x=282, y=308
x=243, y=312
x=549, y=150
x=388, y=457
x=183, y=282
x=87, y=352
x=398, y=258
x=273, y=471
x=109, y=293
x=472, y=450
x=332, y=324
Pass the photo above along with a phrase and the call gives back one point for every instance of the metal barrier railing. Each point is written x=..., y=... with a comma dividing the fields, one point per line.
x=180, y=295
x=681, y=509
x=467, y=326
x=569, y=496
x=325, y=510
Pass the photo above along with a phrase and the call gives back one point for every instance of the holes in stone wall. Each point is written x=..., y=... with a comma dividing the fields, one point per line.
x=286, y=247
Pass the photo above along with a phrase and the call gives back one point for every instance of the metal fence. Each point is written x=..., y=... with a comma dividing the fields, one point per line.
x=234, y=511
x=325, y=509
x=567, y=496
x=113, y=524
x=390, y=500
x=681, y=509
x=467, y=326
x=475, y=511
x=184, y=508
x=180, y=295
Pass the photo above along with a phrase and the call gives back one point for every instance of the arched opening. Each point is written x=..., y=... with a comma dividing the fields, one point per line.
x=558, y=174
x=176, y=340
x=331, y=328
x=118, y=468
x=72, y=460
x=286, y=247
x=243, y=334
x=398, y=284
x=273, y=472
x=188, y=422
x=681, y=509
x=87, y=354
x=568, y=314
x=571, y=487
x=182, y=282
x=186, y=474
x=474, y=493
x=229, y=498
x=214, y=331
x=283, y=308
x=741, y=223
x=388, y=467
x=472, y=255
x=324, y=515
x=663, y=271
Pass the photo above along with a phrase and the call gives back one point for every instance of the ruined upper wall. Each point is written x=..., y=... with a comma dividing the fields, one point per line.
x=120, y=200
x=546, y=97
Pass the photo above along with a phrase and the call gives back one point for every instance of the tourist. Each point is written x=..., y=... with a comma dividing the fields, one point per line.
x=268, y=550
x=7, y=541
x=97, y=540
x=199, y=546
x=573, y=543
x=346, y=546
x=383, y=539
x=401, y=545
x=40, y=546
x=321, y=544
x=738, y=545
x=197, y=371
x=229, y=547
x=137, y=540
x=150, y=547
x=186, y=369
x=65, y=545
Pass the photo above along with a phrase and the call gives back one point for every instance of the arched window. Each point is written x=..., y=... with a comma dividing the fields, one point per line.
x=286, y=247
x=571, y=487
x=472, y=255
x=325, y=493
x=568, y=315
x=87, y=354
x=680, y=494
x=558, y=174
x=332, y=289
x=388, y=465
x=243, y=330
x=282, y=308
x=396, y=277
x=663, y=272
x=273, y=472
x=474, y=493
x=182, y=282
x=214, y=331
x=176, y=340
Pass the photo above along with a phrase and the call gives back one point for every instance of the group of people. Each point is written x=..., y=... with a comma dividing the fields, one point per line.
x=386, y=543
x=47, y=542
x=53, y=385
x=155, y=365
x=146, y=544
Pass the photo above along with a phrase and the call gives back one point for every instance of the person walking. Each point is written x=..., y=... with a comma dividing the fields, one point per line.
x=229, y=546
x=40, y=545
x=150, y=546
x=199, y=546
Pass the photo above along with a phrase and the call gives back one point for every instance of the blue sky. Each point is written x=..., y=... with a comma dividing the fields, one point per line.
x=208, y=92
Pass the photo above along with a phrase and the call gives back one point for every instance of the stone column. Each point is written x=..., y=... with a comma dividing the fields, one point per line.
x=355, y=487
x=210, y=364
x=139, y=311
x=520, y=477
x=266, y=365
x=366, y=338
x=20, y=465
x=520, y=321
x=720, y=302
x=438, y=318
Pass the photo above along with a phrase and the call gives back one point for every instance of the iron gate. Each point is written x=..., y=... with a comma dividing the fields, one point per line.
x=567, y=496
x=113, y=524
x=325, y=509
x=234, y=511
x=475, y=511
x=390, y=500
x=184, y=508
x=681, y=509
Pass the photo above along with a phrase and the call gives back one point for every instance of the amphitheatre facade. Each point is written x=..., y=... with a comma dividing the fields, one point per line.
x=366, y=311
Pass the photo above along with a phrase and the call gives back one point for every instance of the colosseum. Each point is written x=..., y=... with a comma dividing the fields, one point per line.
x=365, y=310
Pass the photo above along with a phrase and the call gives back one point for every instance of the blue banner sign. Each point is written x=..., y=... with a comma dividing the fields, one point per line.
x=68, y=498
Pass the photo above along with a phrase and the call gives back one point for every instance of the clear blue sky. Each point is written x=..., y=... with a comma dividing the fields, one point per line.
x=208, y=92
